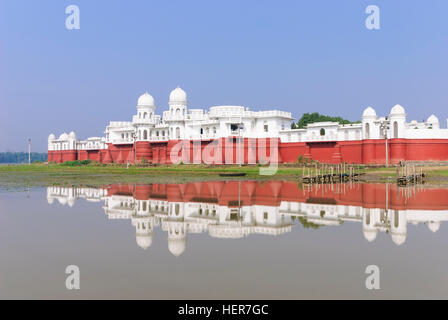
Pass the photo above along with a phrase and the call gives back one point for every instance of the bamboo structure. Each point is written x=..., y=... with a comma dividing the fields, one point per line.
x=330, y=173
x=409, y=174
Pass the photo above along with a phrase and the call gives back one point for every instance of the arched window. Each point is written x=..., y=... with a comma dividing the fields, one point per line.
x=139, y=135
x=144, y=115
x=178, y=112
x=178, y=133
x=322, y=132
x=214, y=130
x=395, y=129
x=367, y=131
x=145, y=135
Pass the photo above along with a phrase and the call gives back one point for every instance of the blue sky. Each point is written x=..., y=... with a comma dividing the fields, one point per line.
x=299, y=56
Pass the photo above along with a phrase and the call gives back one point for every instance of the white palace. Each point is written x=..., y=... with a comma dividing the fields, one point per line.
x=151, y=137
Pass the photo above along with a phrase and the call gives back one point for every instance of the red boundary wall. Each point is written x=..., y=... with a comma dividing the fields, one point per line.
x=228, y=150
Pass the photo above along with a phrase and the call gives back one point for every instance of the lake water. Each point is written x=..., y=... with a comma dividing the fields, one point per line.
x=229, y=240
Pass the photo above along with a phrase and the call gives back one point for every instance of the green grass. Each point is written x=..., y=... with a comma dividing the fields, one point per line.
x=16, y=176
x=94, y=174
x=439, y=173
x=133, y=170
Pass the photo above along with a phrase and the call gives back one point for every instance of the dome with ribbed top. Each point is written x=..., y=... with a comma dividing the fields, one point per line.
x=397, y=110
x=433, y=119
x=178, y=96
x=146, y=100
x=369, y=112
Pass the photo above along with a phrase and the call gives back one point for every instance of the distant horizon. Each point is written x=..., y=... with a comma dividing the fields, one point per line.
x=300, y=57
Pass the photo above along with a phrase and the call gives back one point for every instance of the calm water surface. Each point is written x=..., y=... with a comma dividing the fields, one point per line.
x=236, y=239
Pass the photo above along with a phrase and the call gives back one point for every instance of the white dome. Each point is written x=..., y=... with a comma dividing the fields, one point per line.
x=369, y=112
x=51, y=137
x=50, y=199
x=370, y=235
x=71, y=202
x=434, y=226
x=398, y=239
x=397, y=110
x=177, y=246
x=178, y=96
x=433, y=119
x=144, y=241
x=63, y=136
x=146, y=100
x=72, y=135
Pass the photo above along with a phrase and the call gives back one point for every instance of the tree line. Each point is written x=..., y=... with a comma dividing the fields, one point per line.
x=22, y=157
x=314, y=117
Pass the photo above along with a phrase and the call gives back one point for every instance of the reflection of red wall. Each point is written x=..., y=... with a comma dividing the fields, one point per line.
x=271, y=193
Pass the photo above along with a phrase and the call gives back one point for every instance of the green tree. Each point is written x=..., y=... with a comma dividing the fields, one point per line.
x=314, y=117
x=21, y=157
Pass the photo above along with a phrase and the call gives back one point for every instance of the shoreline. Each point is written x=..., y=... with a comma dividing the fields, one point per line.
x=94, y=175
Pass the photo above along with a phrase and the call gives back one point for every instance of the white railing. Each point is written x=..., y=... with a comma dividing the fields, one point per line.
x=120, y=124
x=122, y=141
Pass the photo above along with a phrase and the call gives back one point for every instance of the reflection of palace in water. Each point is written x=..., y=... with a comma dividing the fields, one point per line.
x=235, y=209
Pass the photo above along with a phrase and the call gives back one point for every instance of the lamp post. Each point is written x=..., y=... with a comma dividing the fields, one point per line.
x=240, y=126
x=134, y=136
x=384, y=128
x=29, y=151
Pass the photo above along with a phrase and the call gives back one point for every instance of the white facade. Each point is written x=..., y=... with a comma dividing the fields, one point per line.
x=182, y=123
x=180, y=218
x=398, y=128
x=395, y=124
